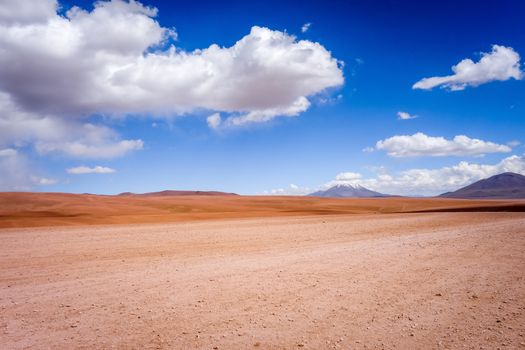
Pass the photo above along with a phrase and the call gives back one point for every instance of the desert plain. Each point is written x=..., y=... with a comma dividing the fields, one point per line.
x=235, y=272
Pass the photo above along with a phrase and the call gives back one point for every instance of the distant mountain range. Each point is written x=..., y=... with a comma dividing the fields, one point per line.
x=502, y=186
x=348, y=191
x=169, y=193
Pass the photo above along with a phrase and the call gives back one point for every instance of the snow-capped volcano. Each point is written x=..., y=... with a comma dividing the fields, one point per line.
x=348, y=191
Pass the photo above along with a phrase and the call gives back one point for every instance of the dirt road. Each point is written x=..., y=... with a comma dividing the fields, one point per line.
x=405, y=281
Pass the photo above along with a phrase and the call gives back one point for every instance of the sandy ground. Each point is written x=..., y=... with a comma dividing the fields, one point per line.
x=26, y=209
x=405, y=281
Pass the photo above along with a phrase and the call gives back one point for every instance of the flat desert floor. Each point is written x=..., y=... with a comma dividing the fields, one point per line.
x=403, y=281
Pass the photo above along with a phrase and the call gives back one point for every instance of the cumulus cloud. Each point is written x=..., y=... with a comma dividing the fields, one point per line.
x=20, y=12
x=111, y=60
x=502, y=63
x=87, y=170
x=420, y=144
x=52, y=134
x=17, y=125
x=436, y=181
x=65, y=75
x=306, y=27
x=416, y=182
x=405, y=116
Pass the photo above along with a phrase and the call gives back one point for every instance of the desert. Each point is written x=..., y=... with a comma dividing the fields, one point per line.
x=349, y=274
x=30, y=209
x=262, y=175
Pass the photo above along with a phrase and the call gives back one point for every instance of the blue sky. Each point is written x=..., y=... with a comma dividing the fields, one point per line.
x=372, y=53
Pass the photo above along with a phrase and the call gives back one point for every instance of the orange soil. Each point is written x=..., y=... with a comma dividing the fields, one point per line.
x=53, y=209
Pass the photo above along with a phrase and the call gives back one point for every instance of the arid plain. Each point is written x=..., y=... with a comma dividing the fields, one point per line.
x=235, y=272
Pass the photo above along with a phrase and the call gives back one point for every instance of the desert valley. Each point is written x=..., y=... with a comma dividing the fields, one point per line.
x=230, y=175
x=183, y=270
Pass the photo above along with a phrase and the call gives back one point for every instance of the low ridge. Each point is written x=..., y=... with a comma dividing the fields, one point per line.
x=169, y=193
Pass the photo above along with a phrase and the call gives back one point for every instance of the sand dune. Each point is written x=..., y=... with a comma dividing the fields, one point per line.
x=52, y=209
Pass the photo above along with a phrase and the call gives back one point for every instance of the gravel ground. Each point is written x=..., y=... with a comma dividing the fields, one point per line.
x=392, y=281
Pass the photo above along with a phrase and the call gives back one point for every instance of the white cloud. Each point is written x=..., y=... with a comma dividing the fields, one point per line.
x=420, y=144
x=214, y=120
x=58, y=71
x=405, y=116
x=502, y=63
x=435, y=181
x=17, y=125
x=52, y=134
x=421, y=181
x=111, y=61
x=348, y=176
x=43, y=181
x=291, y=190
x=87, y=170
x=8, y=152
x=19, y=12
x=306, y=27
x=83, y=150
x=257, y=116
x=514, y=143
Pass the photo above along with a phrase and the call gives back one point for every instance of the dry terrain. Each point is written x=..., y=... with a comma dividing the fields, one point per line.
x=441, y=280
x=59, y=209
